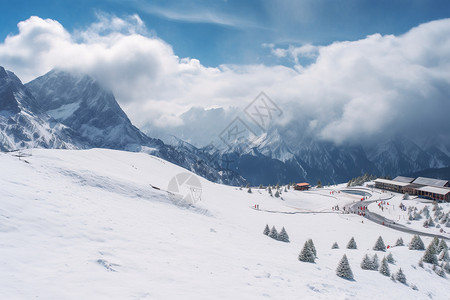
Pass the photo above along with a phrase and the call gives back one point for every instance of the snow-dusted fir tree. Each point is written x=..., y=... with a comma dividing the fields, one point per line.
x=440, y=272
x=366, y=263
x=390, y=259
x=400, y=276
x=307, y=254
x=273, y=233
x=399, y=242
x=435, y=242
x=249, y=190
x=375, y=263
x=379, y=245
x=446, y=267
x=277, y=194
x=283, y=236
x=335, y=246
x=269, y=190
x=343, y=269
x=313, y=248
x=416, y=243
x=352, y=244
x=266, y=230
x=444, y=256
x=430, y=255
x=384, y=267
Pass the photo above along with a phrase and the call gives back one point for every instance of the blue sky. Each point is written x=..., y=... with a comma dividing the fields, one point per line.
x=233, y=32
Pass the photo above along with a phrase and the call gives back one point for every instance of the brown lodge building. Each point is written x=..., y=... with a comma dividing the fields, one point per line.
x=430, y=188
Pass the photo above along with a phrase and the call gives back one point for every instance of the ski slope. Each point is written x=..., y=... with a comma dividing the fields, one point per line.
x=87, y=224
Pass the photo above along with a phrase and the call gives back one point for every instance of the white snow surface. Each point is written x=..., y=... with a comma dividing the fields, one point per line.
x=86, y=224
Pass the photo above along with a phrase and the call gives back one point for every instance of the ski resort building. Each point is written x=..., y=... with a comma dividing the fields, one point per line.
x=304, y=186
x=430, y=188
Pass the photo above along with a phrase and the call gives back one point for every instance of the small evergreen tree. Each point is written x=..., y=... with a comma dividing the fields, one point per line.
x=444, y=256
x=442, y=245
x=390, y=259
x=307, y=254
x=384, y=267
x=343, y=269
x=249, y=190
x=260, y=187
x=379, y=245
x=416, y=243
x=375, y=263
x=352, y=244
x=313, y=248
x=273, y=233
x=440, y=272
x=446, y=267
x=430, y=255
x=319, y=184
x=366, y=263
x=266, y=230
x=277, y=194
x=335, y=246
x=400, y=277
x=435, y=242
x=283, y=236
x=399, y=242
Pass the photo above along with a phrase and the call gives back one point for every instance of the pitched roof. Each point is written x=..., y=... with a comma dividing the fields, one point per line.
x=435, y=190
x=387, y=181
x=430, y=181
x=404, y=179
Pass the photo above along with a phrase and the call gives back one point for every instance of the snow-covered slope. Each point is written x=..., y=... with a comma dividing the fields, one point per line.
x=23, y=124
x=88, y=224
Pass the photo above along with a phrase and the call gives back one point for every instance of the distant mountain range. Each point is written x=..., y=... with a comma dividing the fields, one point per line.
x=68, y=110
x=73, y=111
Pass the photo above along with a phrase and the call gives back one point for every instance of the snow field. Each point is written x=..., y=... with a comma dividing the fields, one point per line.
x=88, y=225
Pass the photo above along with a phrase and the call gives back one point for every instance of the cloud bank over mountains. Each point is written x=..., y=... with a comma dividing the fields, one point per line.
x=376, y=87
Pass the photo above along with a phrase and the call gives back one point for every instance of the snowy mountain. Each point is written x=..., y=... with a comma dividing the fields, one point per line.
x=23, y=124
x=63, y=110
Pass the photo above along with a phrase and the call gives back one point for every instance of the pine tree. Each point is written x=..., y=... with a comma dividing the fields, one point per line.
x=319, y=184
x=440, y=272
x=277, y=194
x=442, y=245
x=366, y=263
x=430, y=255
x=270, y=191
x=435, y=242
x=400, y=277
x=335, y=246
x=420, y=262
x=399, y=242
x=446, y=267
x=313, y=248
x=249, y=190
x=390, y=259
x=384, y=267
x=307, y=255
x=273, y=233
x=260, y=187
x=379, y=245
x=375, y=262
x=343, y=270
x=352, y=244
x=416, y=243
x=444, y=256
x=266, y=230
x=283, y=236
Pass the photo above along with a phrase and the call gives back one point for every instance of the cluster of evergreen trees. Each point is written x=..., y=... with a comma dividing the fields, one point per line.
x=360, y=180
x=273, y=233
x=437, y=219
x=437, y=255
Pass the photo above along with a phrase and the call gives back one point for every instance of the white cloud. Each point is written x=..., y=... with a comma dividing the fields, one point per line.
x=373, y=87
